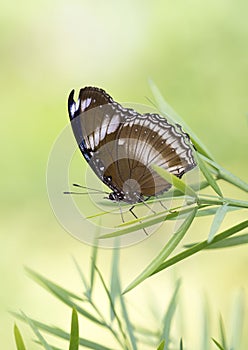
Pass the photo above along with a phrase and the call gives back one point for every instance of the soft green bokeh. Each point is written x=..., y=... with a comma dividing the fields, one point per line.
x=196, y=52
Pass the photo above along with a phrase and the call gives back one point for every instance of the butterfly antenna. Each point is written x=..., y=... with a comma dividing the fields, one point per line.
x=89, y=188
x=71, y=192
x=136, y=217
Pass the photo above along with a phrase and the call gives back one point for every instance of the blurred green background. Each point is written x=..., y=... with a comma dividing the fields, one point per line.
x=197, y=53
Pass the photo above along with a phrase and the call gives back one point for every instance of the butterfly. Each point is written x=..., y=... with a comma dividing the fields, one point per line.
x=122, y=145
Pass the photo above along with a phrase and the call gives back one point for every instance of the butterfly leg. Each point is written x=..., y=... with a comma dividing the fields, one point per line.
x=136, y=217
x=148, y=206
x=122, y=218
x=164, y=206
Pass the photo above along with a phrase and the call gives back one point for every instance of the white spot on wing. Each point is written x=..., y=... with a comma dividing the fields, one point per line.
x=121, y=142
x=91, y=140
x=114, y=124
x=96, y=137
x=147, y=123
x=74, y=107
x=85, y=103
x=104, y=127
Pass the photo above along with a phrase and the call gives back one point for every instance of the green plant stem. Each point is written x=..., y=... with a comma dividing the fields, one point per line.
x=90, y=301
x=226, y=175
x=165, y=252
x=200, y=246
x=146, y=332
x=126, y=346
x=104, y=322
x=221, y=201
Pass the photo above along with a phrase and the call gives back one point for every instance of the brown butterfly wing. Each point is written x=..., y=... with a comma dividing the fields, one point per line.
x=121, y=145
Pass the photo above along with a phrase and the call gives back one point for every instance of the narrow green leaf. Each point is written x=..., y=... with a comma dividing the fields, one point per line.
x=49, y=284
x=92, y=269
x=161, y=345
x=205, y=328
x=175, y=181
x=223, y=333
x=152, y=220
x=81, y=274
x=220, y=201
x=227, y=175
x=101, y=213
x=36, y=332
x=128, y=323
x=206, y=212
x=201, y=186
x=53, y=347
x=55, y=331
x=169, y=316
x=171, y=214
x=172, y=193
x=237, y=203
x=200, y=246
x=212, y=211
x=165, y=252
x=233, y=179
x=146, y=332
x=115, y=291
x=218, y=344
x=62, y=294
x=169, y=113
x=18, y=339
x=74, y=337
x=126, y=345
x=207, y=174
x=181, y=344
x=93, y=345
x=162, y=105
x=229, y=242
x=237, y=320
x=115, y=283
x=217, y=221
x=226, y=243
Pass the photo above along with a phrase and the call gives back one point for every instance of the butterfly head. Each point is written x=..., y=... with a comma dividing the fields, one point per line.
x=116, y=196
